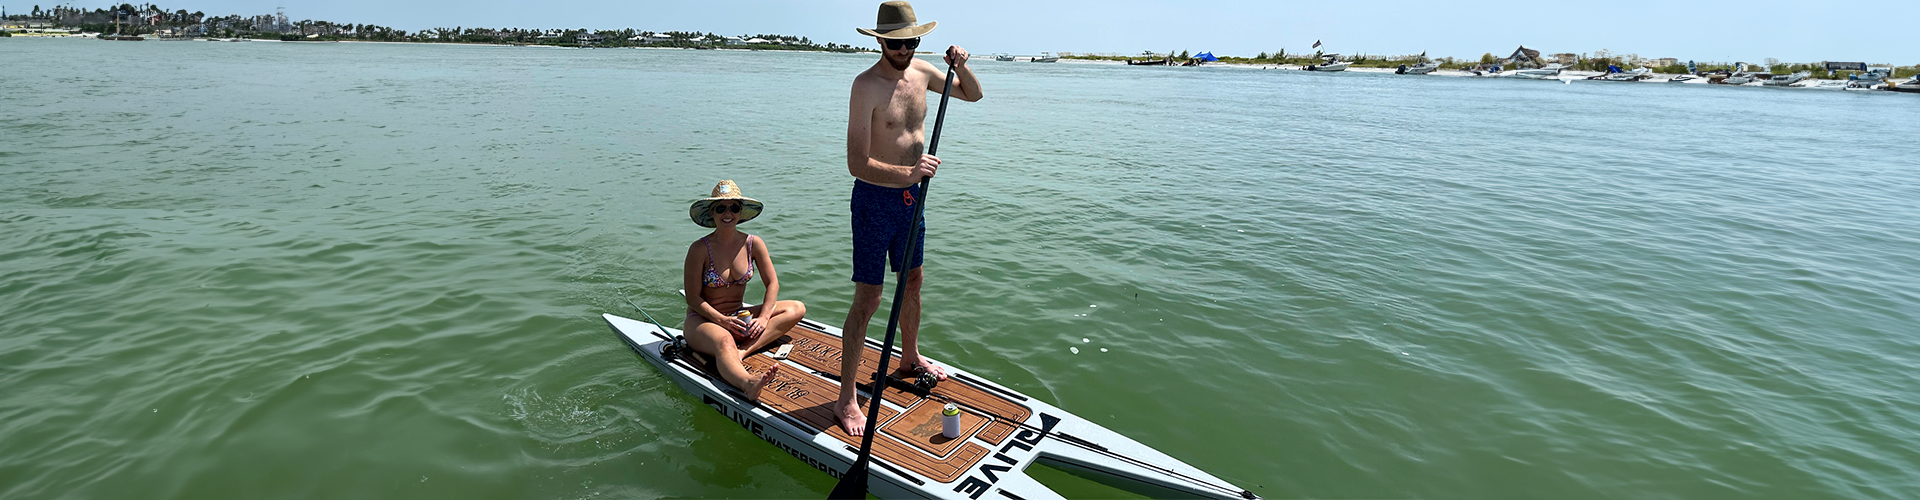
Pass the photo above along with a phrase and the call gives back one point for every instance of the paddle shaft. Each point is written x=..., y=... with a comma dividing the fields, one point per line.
x=853, y=484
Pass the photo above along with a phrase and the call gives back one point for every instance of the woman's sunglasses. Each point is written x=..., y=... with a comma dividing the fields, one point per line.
x=896, y=44
x=727, y=208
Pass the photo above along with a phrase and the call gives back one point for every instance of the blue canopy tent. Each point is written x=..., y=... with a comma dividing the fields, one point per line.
x=1206, y=56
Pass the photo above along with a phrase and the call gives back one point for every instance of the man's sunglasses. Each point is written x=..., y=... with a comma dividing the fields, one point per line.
x=896, y=44
x=727, y=208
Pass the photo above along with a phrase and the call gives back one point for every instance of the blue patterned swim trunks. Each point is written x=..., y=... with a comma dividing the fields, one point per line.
x=880, y=218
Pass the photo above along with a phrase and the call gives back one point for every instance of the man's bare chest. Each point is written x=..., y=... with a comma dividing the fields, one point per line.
x=905, y=108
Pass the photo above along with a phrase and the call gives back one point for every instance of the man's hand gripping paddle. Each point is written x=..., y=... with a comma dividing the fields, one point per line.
x=853, y=483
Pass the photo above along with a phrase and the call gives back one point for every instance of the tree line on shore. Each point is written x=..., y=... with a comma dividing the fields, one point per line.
x=149, y=19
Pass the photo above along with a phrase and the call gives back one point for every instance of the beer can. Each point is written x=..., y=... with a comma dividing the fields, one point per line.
x=950, y=421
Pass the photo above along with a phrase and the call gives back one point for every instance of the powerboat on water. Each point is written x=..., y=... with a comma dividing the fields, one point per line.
x=1548, y=72
x=1615, y=74
x=1911, y=85
x=1417, y=69
x=1329, y=66
x=1785, y=80
x=1739, y=76
x=1686, y=79
x=1874, y=79
x=1003, y=57
x=1045, y=57
x=1332, y=63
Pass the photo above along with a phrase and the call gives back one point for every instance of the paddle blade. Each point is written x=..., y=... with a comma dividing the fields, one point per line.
x=853, y=484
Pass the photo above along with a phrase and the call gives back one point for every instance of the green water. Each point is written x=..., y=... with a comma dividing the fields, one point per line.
x=267, y=270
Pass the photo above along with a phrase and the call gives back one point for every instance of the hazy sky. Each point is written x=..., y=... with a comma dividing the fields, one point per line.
x=1704, y=30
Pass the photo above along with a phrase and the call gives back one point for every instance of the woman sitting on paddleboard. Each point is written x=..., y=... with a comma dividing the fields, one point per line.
x=718, y=268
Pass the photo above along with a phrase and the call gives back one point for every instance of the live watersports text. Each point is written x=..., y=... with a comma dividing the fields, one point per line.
x=759, y=431
x=974, y=486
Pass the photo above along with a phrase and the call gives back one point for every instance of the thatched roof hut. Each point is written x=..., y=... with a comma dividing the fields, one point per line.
x=1524, y=57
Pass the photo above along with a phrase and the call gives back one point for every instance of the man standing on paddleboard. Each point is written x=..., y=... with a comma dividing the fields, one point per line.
x=886, y=146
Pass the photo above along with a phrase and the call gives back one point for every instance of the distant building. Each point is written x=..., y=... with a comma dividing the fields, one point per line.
x=1566, y=59
x=734, y=40
x=588, y=38
x=1662, y=62
x=758, y=41
x=1524, y=57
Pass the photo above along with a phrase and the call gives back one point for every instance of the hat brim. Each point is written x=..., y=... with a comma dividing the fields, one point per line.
x=902, y=33
x=702, y=212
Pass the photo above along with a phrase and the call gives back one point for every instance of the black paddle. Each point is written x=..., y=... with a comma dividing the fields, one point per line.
x=853, y=484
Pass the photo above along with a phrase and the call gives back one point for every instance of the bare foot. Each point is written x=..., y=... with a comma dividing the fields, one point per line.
x=754, y=387
x=919, y=364
x=851, y=418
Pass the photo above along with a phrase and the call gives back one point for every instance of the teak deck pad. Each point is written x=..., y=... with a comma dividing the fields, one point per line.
x=1002, y=431
x=912, y=440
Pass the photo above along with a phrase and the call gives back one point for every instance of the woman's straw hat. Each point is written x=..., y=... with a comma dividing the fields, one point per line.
x=725, y=190
x=896, y=22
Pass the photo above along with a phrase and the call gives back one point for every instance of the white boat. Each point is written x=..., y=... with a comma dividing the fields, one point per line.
x=1874, y=79
x=1738, y=76
x=1548, y=72
x=1417, y=69
x=1332, y=63
x=1615, y=74
x=1912, y=85
x=1003, y=57
x=1002, y=431
x=1785, y=80
x=1874, y=76
x=1045, y=57
x=1687, y=79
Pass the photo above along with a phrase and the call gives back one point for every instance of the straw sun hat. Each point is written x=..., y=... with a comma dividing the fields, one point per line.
x=896, y=22
x=725, y=190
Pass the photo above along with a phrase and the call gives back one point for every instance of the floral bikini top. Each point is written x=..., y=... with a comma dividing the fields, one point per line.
x=712, y=278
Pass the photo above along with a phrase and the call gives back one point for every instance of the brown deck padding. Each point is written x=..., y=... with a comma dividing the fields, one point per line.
x=996, y=431
x=807, y=398
x=820, y=351
x=921, y=427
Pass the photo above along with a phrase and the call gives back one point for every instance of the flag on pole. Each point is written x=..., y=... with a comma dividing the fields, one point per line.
x=1316, y=44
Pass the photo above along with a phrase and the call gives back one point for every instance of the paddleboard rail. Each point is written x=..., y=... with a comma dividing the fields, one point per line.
x=912, y=458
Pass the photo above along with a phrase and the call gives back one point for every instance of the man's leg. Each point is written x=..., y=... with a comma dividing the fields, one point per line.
x=853, y=338
x=910, y=331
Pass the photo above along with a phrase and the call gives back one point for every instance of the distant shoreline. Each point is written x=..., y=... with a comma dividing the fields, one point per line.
x=1567, y=75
